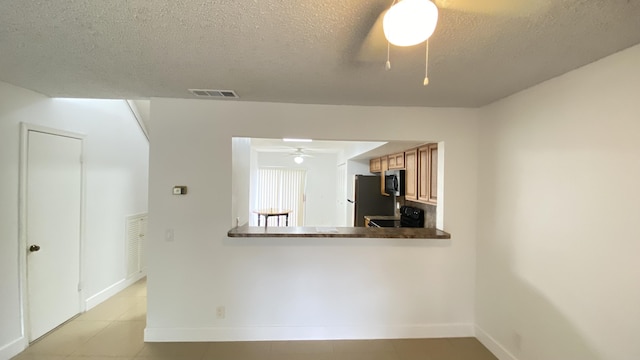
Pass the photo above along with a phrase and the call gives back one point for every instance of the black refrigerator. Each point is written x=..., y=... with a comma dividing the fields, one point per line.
x=368, y=200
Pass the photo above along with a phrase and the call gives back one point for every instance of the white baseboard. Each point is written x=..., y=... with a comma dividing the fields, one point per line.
x=105, y=294
x=273, y=333
x=494, y=346
x=13, y=348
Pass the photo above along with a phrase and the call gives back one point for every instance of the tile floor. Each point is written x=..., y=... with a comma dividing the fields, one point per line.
x=113, y=331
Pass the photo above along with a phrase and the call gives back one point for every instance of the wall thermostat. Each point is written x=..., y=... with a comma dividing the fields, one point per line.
x=179, y=190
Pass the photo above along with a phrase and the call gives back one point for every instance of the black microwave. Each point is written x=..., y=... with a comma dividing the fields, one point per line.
x=394, y=182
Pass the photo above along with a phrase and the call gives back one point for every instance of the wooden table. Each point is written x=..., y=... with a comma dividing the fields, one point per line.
x=272, y=212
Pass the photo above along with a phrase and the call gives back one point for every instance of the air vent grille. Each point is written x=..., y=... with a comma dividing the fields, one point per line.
x=209, y=93
x=136, y=230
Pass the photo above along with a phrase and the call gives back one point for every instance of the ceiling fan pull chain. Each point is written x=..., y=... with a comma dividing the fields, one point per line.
x=387, y=65
x=426, y=66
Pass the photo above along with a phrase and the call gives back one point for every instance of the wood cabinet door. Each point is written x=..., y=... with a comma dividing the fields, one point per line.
x=392, y=162
x=411, y=174
x=400, y=160
x=433, y=173
x=428, y=174
x=423, y=174
x=396, y=161
x=374, y=165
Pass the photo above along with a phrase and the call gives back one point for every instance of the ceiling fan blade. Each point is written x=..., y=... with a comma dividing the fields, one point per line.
x=374, y=45
x=518, y=8
x=302, y=152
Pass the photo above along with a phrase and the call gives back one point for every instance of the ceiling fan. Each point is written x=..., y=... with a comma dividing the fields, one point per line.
x=299, y=154
x=377, y=40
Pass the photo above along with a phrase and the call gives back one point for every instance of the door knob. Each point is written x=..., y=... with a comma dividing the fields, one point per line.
x=34, y=248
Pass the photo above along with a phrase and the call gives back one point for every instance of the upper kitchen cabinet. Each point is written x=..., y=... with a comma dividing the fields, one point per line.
x=396, y=161
x=411, y=175
x=428, y=173
x=375, y=165
x=421, y=172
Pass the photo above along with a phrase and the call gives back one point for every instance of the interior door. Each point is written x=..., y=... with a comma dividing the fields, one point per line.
x=53, y=218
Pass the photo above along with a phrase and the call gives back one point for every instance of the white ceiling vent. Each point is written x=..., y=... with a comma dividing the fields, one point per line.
x=208, y=93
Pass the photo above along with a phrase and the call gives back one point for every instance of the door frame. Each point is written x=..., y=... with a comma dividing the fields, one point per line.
x=22, y=221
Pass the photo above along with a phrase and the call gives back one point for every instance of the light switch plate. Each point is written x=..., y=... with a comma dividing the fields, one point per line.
x=168, y=235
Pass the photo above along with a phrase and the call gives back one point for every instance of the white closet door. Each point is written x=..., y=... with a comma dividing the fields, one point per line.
x=54, y=195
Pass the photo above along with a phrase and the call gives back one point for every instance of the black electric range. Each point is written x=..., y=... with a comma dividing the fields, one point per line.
x=409, y=217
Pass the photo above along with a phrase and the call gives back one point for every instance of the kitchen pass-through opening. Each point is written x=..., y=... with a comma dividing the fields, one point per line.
x=310, y=182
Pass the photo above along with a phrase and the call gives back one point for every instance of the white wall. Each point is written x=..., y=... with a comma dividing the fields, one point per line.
x=300, y=287
x=558, y=215
x=116, y=158
x=241, y=183
x=320, y=184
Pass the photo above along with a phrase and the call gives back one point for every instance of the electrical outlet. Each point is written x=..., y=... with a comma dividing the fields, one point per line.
x=221, y=312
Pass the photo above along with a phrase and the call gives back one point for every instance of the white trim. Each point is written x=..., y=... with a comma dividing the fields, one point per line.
x=22, y=217
x=494, y=346
x=22, y=229
x=440, y=190
x=136, y=114
x=266, y=333
x=47, y=130
x=13, y=348
x=105, y=294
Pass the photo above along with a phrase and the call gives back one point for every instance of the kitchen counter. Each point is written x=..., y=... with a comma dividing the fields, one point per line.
x=338, y=232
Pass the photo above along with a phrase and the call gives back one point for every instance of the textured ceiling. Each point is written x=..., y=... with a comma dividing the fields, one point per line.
x=301, y=51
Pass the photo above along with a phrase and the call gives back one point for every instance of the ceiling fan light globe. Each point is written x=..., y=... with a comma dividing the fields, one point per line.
x=410, y=22
x=298, y=159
